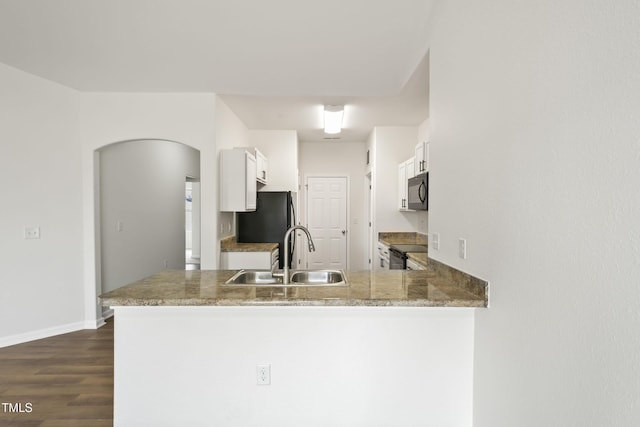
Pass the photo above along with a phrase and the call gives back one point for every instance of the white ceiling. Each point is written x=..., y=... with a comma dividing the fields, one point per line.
x=274, y=62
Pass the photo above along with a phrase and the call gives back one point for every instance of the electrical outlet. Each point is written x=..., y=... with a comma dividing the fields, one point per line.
x=32, y=232
x=119, y=226
x=165, y=263
x=462, y=248
x=263, y=374
x=435, y=241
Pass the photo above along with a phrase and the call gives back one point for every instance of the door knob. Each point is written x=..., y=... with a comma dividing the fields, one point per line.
x=344, y=232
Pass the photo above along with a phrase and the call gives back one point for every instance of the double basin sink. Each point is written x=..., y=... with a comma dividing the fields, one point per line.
x=297, y=278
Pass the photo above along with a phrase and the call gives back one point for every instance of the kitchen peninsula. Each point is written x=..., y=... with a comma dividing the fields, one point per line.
x=391, y=348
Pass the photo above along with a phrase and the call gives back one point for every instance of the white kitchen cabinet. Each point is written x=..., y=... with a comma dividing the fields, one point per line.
x=422, y=158
x=402, y=190
x=264, y=260
x=383, y=257
x=238, y=187
x=262, y=163
x=262, y=166
x=406, y=170
x=410, y=167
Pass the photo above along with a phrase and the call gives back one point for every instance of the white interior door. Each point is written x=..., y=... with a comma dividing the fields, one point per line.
x=327, y=222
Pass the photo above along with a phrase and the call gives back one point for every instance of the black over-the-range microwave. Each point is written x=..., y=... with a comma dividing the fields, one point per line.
x=418, y=192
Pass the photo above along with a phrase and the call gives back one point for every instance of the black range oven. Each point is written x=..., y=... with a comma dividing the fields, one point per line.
x=398, y=255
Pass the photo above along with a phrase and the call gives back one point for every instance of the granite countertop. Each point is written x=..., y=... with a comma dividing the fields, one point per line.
x=399, y=238
x=419, y=257
x=231, y=245
x=407, y=238
x=437, y=286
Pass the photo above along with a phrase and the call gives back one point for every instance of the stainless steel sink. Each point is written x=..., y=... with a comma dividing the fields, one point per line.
x=319, y=277
x=298, y=278
x=254, y=278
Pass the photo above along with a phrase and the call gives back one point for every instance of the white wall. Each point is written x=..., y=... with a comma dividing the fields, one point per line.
x=348, y=159
x=142, y=187
x=281, y=149
x=50, y=175
x=106, y=118
x=330, y=366
x=423, y=131
x=535, y=148
x=41, y=286
x=230, y=130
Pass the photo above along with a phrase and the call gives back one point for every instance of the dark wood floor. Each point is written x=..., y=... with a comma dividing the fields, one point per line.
x=67, y=379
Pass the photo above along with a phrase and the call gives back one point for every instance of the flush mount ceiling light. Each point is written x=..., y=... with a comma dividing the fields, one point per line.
x=333, y=118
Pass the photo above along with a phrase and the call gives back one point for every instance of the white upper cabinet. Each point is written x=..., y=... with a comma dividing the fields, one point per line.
x=238, y=186
x=402, y=192
x=406, y=170
x=410, y=165
x=261, y=163
x=422, y=158
x=261, y=167
x=252, y=186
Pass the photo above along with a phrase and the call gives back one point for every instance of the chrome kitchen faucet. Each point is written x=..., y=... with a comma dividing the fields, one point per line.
x=312, y=248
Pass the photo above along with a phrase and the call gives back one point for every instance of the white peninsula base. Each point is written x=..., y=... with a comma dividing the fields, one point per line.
x=330, y=366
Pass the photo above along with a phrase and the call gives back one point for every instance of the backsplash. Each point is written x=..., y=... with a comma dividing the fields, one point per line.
x=468, y=282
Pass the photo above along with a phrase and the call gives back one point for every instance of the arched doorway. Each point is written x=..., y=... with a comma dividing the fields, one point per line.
x=142, y=216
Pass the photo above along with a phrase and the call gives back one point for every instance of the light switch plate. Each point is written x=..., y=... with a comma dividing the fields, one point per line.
x=462, y=248
x=263, y=374
x=435, y=241
x=32, y=232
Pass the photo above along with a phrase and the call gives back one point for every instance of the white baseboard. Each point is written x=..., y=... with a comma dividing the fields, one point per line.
x=56, y=330
x=106, y=314
x=42, y=333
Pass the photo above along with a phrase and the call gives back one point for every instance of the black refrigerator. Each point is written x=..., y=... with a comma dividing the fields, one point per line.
x=274, y=215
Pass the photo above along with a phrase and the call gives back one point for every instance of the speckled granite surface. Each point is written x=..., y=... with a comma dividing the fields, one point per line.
x=397, y=238
x=231, y=245
x=398, y=288
x=420, y=258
